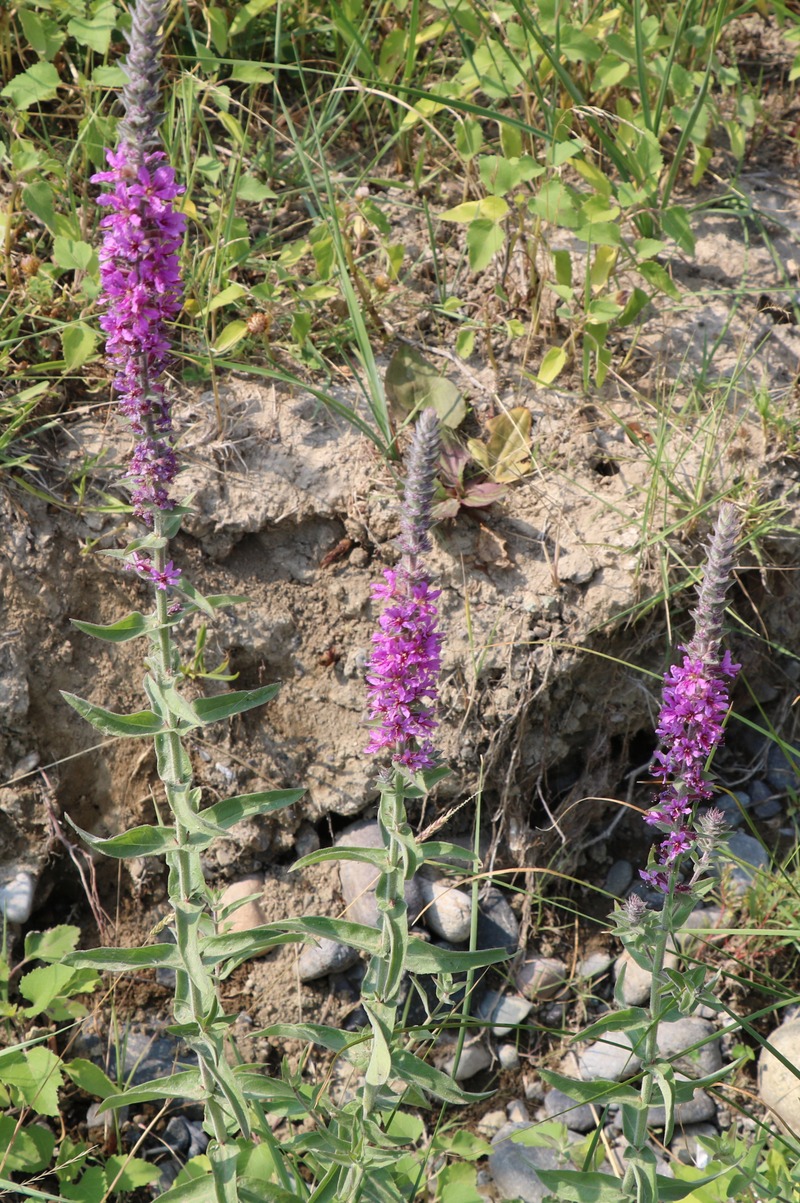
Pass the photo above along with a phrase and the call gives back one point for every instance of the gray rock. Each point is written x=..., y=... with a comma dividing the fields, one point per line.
x=700, y=1107
x=753, y=856
x=358, y=880
x=687, y=1148
x=503, y=1011
x=324, y=956
x=619, y=877
x=612, y=1058
x=768, y=809
x=513, y=1166
x=508, y=1056
x=491, y=1123
x=595, y=964
x=579, y=1117
x=475, y=1056
x=517, y=1112
x=778, y=1086
x=497, y=923
x=637, y=981
x=540, y=978
x=674, y=1038
x=447, y=911
x=702, y=918
x=783, y=772
x=732, y=807
x=17, y=892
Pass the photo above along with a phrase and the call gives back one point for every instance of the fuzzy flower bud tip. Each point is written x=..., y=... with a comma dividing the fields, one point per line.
x=691, y=721
x=404, y=666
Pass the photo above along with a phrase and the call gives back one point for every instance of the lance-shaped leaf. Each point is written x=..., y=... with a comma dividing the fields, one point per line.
x=224, y=705
x=599, y=1090
x=129, y=627
x=230, y=811
x=185, y=1085
x=414, y=1071
x=365, y=856
x=144, y=840
x=118, y=960
x=333, y=1039
x=143, y=722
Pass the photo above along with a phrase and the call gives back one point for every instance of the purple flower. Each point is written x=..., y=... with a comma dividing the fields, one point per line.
x=164, y=578
x=691, y=721
x=139, y=267
x=404, y=667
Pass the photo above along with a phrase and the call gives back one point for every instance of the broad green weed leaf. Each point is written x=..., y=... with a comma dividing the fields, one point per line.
x=484, y=239
x=555, y=204
x=53, y=944
x=95, y=30
x=552, y=365
x=251, y=189
x=143, y=722
x=412, y=383
x=676, y=223
x=73, y=254
x=36, y=1074
x=659, y=278
x=90, y=1188
x=229, y=336
x=493, y=208
x=39, y=200
x=108, y=77
x=42, y=985
x=469, y=138
x=129, y=1173
x=28, y=1149
x=90, y=1077
x=251, y=73
x=129, y=627
x=44, y=35
x=39, y=83
x=78, y=344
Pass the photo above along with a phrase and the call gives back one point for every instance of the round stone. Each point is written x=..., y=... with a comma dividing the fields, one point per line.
x=778, y=1085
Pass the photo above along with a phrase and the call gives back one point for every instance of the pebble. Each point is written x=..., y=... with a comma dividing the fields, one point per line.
x=475, y=1056
x=687, y=1148
x=732, y=806
x=612, y=1058
x=702, y=917
x=699, y=1107
x=782, y=773
x=497, y=923
x=619, y=877
x=508, y=1056
x=491, y=1123
x=448, y=911
x=358, y=880
x=594, y=964
x=579, y=1117
x=637, y=983
x=749, y=850
x=517, y=1112
x=249, y=914
x=540, y=978
x=778, y=1086
x=674, y=1038
x=503, y=1011
x=100, y=1127
x=513, y=1166
x=324, y=956
x=16, y=897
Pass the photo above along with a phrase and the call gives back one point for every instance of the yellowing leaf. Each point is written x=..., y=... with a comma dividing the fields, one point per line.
x=506, y=454
x=493, y=207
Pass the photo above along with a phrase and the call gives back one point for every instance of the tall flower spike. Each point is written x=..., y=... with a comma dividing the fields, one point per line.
x=690, y=724
x=403, y=669
x=139, y=269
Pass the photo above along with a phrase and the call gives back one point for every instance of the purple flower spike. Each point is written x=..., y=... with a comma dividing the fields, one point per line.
x=139, y=268
x=404, y=666
x=690, y=724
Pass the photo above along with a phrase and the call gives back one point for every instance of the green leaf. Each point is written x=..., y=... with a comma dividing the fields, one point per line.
x=184, y=1085
x=598, y=1091
x=143, y=722
x=630, y=1019
x=412, y=383
x=73, y=254
x=118, y=960
x=411, y=1070
x=42, y=985
x=659, y=278
x=469, y=138
x=552, y=365
x=211, y=710
x=232, y=810
x=555, y=204
x=251, y=73
x=144, y=840
x=229, y=336
x=78, y=344
x=429, y=958
x=90, y=1077
x=676, y=223
x=51, y=945
x=333, y=1039
x=95, y=30
x=90, y=1188
x=365, y=856
x=199, y=1189
x=251, y=189
x=584, y=1186
x=38, y=199
x=129, y=627
x=493, y=208
x=26, y=1150
x=39, y=83
x=484, y=239
x=108, y=77
x=124, y=1172
x=36, y=1074
x=634, y=306
x=44, y=35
